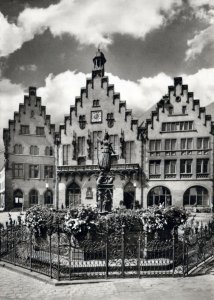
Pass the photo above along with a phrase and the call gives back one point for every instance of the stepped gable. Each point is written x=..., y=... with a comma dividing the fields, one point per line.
x=174, y=92
x=30, y=101
x=98, y=72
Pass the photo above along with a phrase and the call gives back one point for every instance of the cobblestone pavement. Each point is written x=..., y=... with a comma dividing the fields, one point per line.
x=17, y=286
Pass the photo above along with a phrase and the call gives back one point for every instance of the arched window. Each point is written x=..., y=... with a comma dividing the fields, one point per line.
x=18, y=149
x=197, y=196
x=159, y=195
x=18, y=198
x=34, y=150
x=73, y=195
x=49, y=151
x=33, y=197
x=48, y=197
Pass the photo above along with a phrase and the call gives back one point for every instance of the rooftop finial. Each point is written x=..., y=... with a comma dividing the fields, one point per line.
x=99, y=61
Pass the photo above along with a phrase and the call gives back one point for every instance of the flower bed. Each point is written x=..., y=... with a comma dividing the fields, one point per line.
x=86, y=221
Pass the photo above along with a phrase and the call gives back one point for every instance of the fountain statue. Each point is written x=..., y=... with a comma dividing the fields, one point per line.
x=105, y=180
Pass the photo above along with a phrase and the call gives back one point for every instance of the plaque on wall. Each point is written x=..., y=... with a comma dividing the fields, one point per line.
x=89, y=193
x=96, y=116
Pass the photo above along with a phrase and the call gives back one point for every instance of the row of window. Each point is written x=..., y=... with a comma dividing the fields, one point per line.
x=177, y=126
x=25, y=129
x=34, y=171
x=185, y=145
x=202, y=166
x=194, y=196
x=33, y=197
x=34, y=150
x=95, y=150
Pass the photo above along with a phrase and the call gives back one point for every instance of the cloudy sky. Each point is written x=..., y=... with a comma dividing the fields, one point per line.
x=50, y=44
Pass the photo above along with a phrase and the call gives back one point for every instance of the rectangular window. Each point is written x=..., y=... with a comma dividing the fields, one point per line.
x=25, y=129
x=177, y=126
x=81, y=146
x=186, y=166
x=170, y=146
x=40, y=131
x=34, y=171
x=48, y=171
x=203, y=145
x=154, y=167
x=170, y=166
x=66, y=154
x=18, y=170
x=155, y=147
x=186, y=146
x=114, y=142
x=130, y=153
x=202, y=166
x=96, y=149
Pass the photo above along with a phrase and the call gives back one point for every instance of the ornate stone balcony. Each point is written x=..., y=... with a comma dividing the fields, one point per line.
x=118, y=169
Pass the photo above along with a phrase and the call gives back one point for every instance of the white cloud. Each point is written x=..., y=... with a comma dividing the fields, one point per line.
x=60, y=91
x=10, y=96
x=89, y=21
x=204, y=10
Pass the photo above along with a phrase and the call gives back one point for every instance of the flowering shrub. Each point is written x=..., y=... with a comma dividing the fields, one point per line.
x=85, y=220
x=81, y=221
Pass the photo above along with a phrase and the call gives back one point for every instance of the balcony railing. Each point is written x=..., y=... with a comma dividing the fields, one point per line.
x=88, y=168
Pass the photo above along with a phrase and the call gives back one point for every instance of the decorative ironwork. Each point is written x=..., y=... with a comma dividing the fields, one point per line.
x=120, y=254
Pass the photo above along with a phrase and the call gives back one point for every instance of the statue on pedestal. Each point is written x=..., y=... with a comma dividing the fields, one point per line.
x=105, y=181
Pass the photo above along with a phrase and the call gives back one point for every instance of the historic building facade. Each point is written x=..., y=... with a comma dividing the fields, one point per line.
x=168, y=159
x=98, y=109
x=29, y=155
x=178, y=152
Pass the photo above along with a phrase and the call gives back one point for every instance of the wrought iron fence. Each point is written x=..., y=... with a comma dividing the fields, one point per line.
x=122, y=254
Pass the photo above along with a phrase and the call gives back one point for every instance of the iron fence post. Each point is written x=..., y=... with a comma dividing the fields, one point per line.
x=7, y=237
x=138, y=256
x=184, y=255
x=69, y=255
x=58, y=253
x=123, y=250
x=50, y=250
x=106, y=250
x=30, y=249
x=173, y=252
x=14, y=245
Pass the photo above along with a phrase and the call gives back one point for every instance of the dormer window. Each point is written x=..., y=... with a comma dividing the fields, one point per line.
x=82, y=121
x=96, y=103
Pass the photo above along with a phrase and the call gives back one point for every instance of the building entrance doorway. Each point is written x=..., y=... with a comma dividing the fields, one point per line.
x=18, y=198
x=73, y=195
x=129, y=195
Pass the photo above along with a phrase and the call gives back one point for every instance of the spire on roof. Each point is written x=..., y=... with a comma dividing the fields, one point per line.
x=99, y=62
